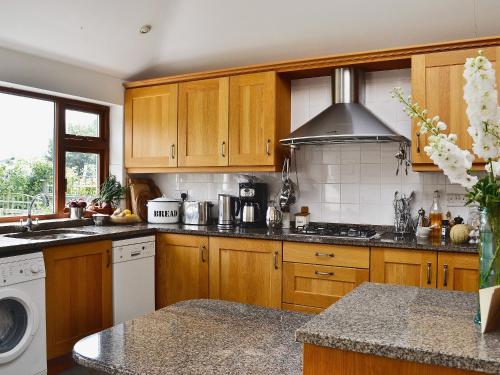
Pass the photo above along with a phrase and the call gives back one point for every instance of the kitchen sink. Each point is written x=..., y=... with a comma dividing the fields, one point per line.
x=52, y=234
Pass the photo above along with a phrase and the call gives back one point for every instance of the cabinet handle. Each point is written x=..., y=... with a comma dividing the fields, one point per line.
x=223, y=149
x=268, y=147
x=445, y=275
x=320, y=273
x=172, y=151
x=108, y=256
x=429, y=276
x=418, y=142
x=202, y=253
x=275, y=260
x=331, y=255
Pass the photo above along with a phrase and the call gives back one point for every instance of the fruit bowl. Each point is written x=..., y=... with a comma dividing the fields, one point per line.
x=123, y=220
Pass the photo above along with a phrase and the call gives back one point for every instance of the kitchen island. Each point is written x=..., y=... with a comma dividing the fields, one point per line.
x=398, y=329
x=198, y=337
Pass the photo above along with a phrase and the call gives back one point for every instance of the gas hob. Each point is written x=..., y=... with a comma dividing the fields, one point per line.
x=338, y=231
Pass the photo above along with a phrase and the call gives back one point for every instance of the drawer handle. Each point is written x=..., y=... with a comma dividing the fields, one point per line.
x=429, y=276
x=445, y=275
x=331, y=255
x=320, y=273
x=275, y=260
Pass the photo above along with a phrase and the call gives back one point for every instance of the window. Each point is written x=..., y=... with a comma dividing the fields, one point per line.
x=50, y=145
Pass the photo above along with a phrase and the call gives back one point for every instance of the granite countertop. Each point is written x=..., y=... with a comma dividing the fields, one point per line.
x=13, y=246
x=198, y=337
x=421, y=325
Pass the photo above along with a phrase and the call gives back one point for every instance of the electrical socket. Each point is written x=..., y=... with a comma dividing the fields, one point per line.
x=455, y=200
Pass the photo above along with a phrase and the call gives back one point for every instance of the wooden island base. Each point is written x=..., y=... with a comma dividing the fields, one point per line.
x=319, y=360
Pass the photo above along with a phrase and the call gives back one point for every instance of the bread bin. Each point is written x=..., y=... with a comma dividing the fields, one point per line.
x=164, y=210
x=196, y=212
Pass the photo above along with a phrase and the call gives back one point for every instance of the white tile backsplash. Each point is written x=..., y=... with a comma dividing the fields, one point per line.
x=340, y=183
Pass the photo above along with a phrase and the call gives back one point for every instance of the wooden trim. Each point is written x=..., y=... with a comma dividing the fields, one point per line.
x=219, y=169
x=319, y=360
x=311, y=66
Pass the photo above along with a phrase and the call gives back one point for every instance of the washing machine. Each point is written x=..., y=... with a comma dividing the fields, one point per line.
x=22, y=315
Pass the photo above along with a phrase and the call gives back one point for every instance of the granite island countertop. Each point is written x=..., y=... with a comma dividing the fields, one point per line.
x=429, y=326
x=198, y=337
x=13, y=246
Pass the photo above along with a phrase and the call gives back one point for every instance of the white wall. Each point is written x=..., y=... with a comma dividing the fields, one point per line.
x=340, y=183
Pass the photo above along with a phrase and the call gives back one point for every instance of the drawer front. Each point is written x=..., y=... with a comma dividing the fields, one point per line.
x=317, y=285
x=328, y=255
x=300, y=308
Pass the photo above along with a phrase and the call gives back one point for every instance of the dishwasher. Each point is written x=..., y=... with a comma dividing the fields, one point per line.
x=133, y=278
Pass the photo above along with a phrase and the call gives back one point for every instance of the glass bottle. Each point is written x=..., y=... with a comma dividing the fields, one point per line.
x=436, y=216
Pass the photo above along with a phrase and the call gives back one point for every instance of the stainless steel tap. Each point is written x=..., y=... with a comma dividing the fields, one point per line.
x=29, y=221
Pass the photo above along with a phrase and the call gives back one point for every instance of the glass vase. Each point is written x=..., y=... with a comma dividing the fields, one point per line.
x=489, y=246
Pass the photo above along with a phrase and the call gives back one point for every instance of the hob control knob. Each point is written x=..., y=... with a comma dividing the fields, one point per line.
x=34, y=268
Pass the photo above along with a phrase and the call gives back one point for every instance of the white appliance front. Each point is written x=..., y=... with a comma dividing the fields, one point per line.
x=133, y=278
x=22, y=315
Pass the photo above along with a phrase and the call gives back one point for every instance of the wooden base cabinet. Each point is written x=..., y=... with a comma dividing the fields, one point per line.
x=319, y=360
x=181, y=268
x=425, y=269
x=246, y=271
x=78, y=293
x=319, y=286
x=403, y=267
x=458, y=271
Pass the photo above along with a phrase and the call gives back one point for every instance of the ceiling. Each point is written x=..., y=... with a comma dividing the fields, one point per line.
x=191, y=35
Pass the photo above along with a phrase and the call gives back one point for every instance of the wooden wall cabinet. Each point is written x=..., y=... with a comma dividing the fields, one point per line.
x=78, y=293
x=259, y=116
x=458, y=271
x=181, y=268
x=403, y=267
x=437, y=84
x=246, y=271
x=151, y=126
x=203, y=123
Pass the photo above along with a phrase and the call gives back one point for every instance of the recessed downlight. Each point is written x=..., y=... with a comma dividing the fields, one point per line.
x=145, y=29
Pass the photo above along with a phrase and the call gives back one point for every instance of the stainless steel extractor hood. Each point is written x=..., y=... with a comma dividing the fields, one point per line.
x=346, y=120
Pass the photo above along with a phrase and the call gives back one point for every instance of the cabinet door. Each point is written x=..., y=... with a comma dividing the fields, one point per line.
x=458, y=271
x=319, y=286
x=252, y=119
x=181, y=268
x=403, y=267
x=151, y=126
x=203, y=123
x=246, y=271
x=78, y=293
x=437, y=84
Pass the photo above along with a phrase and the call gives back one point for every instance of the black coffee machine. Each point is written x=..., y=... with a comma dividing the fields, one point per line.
x=253, y=204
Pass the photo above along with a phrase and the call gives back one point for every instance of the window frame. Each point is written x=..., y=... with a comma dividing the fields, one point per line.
x=69, y=143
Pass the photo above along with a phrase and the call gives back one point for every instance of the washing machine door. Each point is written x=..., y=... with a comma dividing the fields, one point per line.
x=18, y=323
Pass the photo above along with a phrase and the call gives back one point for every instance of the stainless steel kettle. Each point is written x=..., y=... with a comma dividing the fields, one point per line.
x=229, y=208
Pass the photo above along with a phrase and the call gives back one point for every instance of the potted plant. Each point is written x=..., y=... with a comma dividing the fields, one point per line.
x=110, y=194
x=483, y=112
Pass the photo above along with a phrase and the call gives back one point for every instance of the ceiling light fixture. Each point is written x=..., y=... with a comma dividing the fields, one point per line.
x=145, y=29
